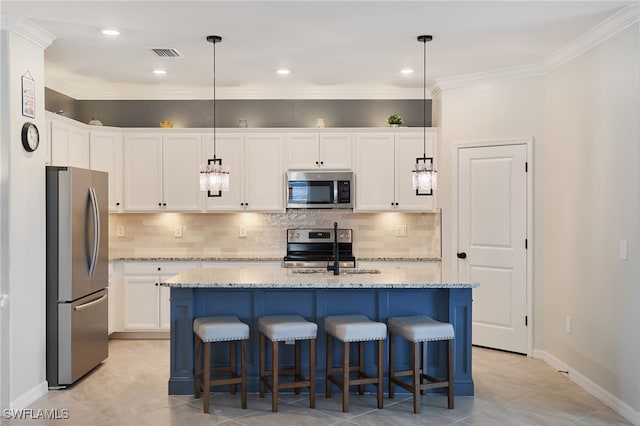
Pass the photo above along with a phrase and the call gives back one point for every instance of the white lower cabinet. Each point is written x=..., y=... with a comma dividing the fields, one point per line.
x=145, y=303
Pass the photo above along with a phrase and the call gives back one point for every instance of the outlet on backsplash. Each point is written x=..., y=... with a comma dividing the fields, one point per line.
x=177, y=231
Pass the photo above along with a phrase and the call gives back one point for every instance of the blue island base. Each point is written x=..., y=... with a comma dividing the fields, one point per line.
x=451, y=305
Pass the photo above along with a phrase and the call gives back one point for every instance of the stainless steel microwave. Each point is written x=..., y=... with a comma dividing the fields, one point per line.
x=319, y=189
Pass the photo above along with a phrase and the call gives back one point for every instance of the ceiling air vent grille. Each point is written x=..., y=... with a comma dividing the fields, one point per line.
x=166, y=52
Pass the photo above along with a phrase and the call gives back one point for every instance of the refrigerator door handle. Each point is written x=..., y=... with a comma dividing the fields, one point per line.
x=90, y=304
x=96, y=230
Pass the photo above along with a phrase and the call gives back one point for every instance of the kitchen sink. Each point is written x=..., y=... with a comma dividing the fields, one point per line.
x=359, y=271
x=309, y=271
x=344, y=271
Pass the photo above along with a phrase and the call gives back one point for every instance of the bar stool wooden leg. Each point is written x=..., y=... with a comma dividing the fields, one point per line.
x=274, y=376
x=327, y=391
x=415, y=350
x=262, y=365
x=392, y=368
x=450, y=373
x=207, y=376
x=198, y=367
x=345, y=377
x=361, y=372
x=297, y=365
x=243, y=373
x=232, y=365
x=312, y=373
x=380, y=359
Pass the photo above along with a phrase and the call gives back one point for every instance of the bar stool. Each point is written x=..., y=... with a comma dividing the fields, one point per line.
x=418, y=330
x=278, y=328
x=208, y=330
x=348, y=329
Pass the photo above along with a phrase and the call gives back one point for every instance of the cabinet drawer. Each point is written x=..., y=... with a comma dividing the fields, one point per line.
x=151, y=268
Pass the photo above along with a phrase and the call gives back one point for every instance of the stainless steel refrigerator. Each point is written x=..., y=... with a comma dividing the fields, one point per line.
x=77, y=272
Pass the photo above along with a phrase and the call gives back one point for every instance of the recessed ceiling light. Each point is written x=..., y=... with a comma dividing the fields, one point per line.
x=406, y=71
x=283, y=71
x=159, y=72
x=110, y=32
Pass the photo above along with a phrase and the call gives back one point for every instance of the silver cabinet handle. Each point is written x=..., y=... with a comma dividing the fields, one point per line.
x=89, y=304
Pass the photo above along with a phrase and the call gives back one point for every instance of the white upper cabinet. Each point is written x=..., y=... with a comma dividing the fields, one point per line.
x=229, y=148
x=69, y=143
x=264, y=172
x=162, y=173
x=105, y=148
x=319, y=150
x=383, y=171
x=375, y=181
x=256, y=181
x=182, y=157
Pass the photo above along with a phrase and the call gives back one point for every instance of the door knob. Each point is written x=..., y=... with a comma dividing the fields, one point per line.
x=462, y=255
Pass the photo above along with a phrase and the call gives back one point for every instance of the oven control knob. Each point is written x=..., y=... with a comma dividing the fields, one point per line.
x=296, y=235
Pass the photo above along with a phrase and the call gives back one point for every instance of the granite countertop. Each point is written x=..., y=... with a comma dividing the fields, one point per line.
x=310, y=278
x=256, y=259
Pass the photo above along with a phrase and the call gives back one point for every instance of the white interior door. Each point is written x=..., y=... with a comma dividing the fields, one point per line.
x=492, y=232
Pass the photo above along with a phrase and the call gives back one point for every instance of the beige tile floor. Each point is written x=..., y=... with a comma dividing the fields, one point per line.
x=130, y=388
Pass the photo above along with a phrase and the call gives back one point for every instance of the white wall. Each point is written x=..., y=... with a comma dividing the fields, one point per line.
x=500, y=110
x=584, y=120
x=592, y=202
x=23, y=214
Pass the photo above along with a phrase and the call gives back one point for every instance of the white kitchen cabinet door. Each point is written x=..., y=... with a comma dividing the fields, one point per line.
x=141, y=303
x=69, y=144
x=375, y=172
x=408, y=147
x=105, y=149
x=182, y=157
x=303, y=150
x=230, y=148
x=319, y=151
x=165, y=308
x=264, y=172
x=335, y=151
x=143, y=172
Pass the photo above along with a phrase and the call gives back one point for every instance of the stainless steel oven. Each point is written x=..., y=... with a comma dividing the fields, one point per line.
x=314, y=248
x=318, y=189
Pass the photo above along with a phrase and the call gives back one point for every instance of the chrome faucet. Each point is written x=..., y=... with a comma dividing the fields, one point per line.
x=336, y=252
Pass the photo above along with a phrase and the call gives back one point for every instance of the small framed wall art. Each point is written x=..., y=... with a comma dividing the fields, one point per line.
x=28, y=95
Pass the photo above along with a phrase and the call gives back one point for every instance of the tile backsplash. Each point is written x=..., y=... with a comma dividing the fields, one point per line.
x=217, y=235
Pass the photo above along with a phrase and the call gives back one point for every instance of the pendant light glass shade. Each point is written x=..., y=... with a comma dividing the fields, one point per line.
x=214, y=177
x=424, y=176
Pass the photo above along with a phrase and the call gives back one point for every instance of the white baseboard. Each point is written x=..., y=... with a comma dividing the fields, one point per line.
x=30, y=396
x=612, y=401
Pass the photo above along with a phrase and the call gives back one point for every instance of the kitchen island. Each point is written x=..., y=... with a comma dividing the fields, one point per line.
x=250, y=293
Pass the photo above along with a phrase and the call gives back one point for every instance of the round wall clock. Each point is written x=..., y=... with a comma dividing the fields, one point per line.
x=30, y=137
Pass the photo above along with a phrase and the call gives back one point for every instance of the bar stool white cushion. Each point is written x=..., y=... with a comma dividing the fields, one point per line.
x=220, y=329
x=354, y=328
x=287, y=327
x=420, y=328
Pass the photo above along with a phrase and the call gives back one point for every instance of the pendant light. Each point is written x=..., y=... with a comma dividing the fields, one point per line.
x=424, y=174
x=214, y=177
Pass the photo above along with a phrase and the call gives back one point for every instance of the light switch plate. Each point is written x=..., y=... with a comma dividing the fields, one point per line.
x=401, y=231
x=624, y=250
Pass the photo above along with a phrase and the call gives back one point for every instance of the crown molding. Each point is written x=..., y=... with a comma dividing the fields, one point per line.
x=27, y=30
x=606, y=29
x=132, y=92
x=475, y=79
